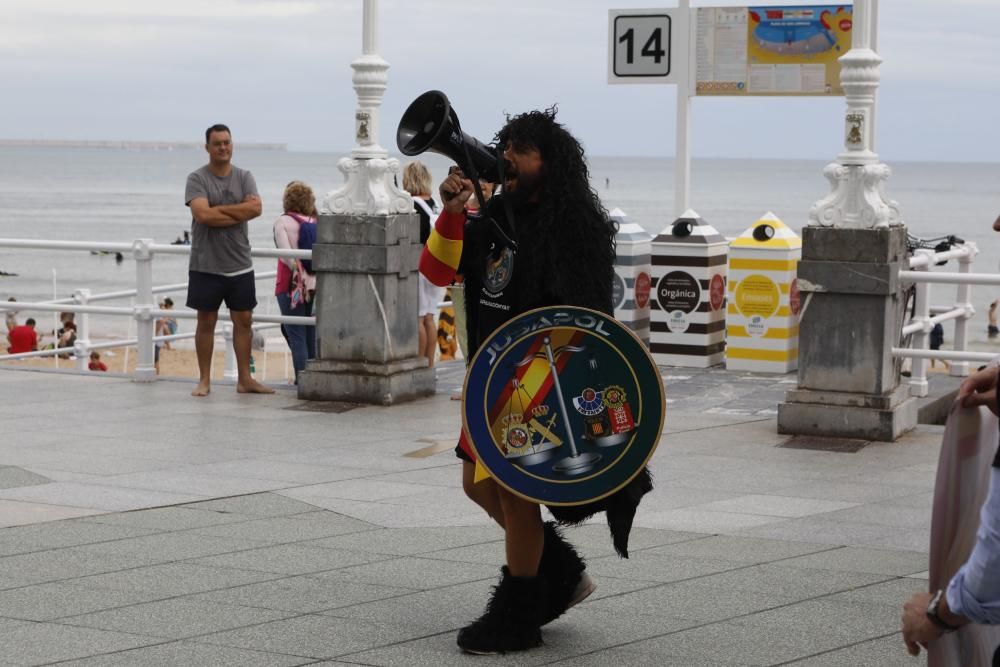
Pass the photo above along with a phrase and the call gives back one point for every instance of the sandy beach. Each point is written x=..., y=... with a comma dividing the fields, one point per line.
x=271, y=367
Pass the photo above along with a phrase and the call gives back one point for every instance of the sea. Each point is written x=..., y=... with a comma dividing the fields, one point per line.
x=106, y=194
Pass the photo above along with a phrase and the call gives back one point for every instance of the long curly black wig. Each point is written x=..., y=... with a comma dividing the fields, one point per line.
x=573, y=238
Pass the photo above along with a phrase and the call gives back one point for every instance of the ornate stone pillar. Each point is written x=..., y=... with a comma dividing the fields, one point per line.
x=365, y=257
x=852, y=299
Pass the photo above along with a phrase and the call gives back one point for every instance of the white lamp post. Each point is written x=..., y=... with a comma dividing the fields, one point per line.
x=369, y=187
x=857, y=177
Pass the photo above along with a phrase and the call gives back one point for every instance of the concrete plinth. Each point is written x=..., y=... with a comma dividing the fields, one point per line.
x=366, y=311
x=852, y=312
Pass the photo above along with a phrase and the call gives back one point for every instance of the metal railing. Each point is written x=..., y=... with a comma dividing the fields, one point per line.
x=926, y=315
x=144, y=309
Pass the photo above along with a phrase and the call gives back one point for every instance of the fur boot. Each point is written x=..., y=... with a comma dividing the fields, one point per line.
x=564, y=572
x=512, y=618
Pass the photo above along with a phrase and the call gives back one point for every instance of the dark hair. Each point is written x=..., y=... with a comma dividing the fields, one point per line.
x=30, y=321
x=218, y=127
x=574, y=228
x=168, y=302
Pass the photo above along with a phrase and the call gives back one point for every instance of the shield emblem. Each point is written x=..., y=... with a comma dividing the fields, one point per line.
x=563, y=405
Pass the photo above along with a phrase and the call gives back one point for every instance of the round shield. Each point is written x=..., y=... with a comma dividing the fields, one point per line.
x=563, y=405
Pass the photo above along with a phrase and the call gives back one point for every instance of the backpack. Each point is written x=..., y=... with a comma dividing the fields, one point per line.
x=307, y=237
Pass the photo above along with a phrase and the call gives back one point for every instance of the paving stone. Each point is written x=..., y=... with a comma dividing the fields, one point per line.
x=818, y=529
x=652, y=567
x=783, y=506
x=21, y=513
x=13, y=476
x=42, y=643
x=696, y=519
x=412, y=541
x=58, y=564
x=857, y=559
x=283, y=529
x=303, y=594
x=883, y=652
x=632, y=658
x=177, y=653
x=177, y=618
x=415, y=573
x=58, y=534
x=579, y=632
x=167, y=547
x=290, y=559
x=168, y=518
x=256, y=504
x=94, y=496
x=172, y=579
x=45, y=602
x=738, y=549
x=313, y=636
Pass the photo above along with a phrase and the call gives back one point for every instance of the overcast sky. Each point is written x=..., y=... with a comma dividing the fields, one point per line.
x=279, y=71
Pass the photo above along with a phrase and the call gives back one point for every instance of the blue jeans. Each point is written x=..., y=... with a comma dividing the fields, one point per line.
x=301, y=338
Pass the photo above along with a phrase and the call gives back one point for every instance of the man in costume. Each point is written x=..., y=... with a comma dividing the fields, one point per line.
x=546, y=240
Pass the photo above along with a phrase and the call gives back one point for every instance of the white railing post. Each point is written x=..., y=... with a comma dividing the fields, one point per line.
x=145, y=370
x=963, y=299
x=922, y=315
x=82, y=345
x=229, y=369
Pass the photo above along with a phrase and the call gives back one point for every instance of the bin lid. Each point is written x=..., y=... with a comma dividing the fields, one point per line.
x=628, y=232
x=768, y=232
x=690, y=228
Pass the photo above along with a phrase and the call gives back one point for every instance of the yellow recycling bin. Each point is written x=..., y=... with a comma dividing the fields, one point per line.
x=762, y=322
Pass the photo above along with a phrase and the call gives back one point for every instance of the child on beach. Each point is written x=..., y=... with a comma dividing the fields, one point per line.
x=96, y=364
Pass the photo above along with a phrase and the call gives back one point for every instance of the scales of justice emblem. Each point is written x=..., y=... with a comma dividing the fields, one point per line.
x=563, y=405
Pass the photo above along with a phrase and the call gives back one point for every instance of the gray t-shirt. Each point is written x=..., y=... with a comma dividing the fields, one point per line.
x=222, y=250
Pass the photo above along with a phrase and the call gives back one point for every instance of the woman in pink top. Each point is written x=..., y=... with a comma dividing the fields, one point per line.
x=300, y=209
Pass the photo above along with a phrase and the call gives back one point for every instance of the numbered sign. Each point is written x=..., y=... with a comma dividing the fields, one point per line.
x=643, y=45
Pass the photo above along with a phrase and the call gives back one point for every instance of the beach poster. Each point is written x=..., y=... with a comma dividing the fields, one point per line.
x=771, y=50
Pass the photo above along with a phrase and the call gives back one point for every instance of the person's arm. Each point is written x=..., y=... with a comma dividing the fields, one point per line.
x=974, y=591
x=249, y=209
x=283, y=240
x=442, y=253
x=211, y=216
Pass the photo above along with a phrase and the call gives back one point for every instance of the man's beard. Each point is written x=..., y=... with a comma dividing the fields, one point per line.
x=527, y=187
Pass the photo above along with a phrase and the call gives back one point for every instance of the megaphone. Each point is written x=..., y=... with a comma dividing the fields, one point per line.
x=431, y=124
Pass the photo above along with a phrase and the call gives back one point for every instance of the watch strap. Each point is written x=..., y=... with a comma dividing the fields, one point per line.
x=932, y=613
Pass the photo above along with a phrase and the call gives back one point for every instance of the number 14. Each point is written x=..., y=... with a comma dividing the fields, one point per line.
x=653, y=48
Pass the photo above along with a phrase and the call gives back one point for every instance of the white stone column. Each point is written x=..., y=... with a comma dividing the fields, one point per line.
x=369, y=187
x=857, y=178
x=854, y=303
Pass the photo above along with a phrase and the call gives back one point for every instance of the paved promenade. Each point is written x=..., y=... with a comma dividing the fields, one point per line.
x=144, y=527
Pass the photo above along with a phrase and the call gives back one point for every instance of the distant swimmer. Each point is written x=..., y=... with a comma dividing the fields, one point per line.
x=607, y=182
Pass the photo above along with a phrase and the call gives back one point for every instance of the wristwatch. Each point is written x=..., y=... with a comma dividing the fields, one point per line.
x=932, y=613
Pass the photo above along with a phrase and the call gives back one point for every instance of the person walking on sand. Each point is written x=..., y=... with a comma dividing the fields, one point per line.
x=222, y=199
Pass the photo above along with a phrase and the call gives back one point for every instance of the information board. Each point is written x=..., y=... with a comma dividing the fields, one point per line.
x=771, y=50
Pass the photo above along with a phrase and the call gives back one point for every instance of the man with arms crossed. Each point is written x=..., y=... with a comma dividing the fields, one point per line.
x=222, y=199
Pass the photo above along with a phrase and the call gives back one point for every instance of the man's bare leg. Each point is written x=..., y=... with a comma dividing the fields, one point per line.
x=429, y=348
x=242, y=342
x=483, y=494
x=524, y=533
x=204, y=345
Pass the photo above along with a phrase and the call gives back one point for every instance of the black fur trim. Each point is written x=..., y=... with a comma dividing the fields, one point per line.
x=562, y=568
x=620, y=508
x=511, y=620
